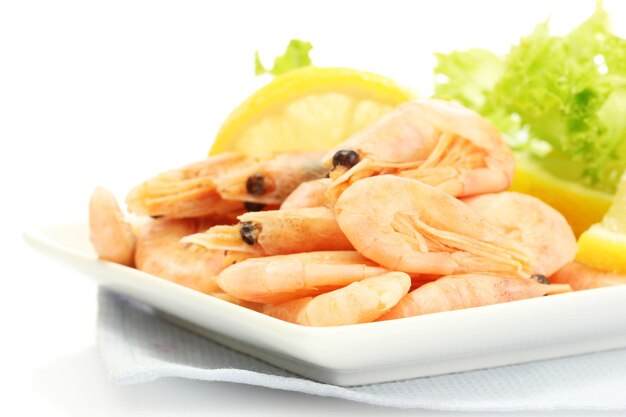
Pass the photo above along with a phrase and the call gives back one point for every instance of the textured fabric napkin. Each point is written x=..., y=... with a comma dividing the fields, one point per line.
x=137, y=346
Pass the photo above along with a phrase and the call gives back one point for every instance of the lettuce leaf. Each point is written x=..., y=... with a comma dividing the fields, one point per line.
x=565, y=95
x=467, y=76
x=470, y=77
x=296, y=55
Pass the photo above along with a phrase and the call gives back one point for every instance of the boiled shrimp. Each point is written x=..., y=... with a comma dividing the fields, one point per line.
x=439, y=143
x=308, y=194
x=535, y=225
x=405, y=225
x=111, y=235
x=189, y=191
x=275, y=279
x=226, y=183
x=270, y=181
x=583, y=277
x=456, y=292
x=154, y=248
x=277, y=232
x=160, y=253
x=358, y=302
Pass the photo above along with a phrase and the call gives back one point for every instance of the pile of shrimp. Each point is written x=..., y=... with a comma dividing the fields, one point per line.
x=409, y=216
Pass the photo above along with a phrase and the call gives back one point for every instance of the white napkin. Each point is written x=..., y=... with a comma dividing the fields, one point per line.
x=139, y=346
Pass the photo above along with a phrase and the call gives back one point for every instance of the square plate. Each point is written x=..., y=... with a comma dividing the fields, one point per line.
x=434, y=344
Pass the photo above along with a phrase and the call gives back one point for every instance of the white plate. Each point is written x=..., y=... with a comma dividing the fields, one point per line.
x=434, y=344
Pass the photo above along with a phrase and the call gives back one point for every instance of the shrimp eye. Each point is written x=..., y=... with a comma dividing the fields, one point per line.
x=250, y=206
x=249, y=233
x=345, y=157
x=542, y=279
x=255, y=184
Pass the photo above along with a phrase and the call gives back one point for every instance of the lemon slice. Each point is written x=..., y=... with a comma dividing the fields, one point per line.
x=308, y=108
x=580, y=205
x=604, y=244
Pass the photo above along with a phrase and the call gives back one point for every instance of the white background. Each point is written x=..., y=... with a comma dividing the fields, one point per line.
x=112, y=92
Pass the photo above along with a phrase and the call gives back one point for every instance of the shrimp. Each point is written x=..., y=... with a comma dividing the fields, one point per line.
x=270, y=181
x=110, y=234
x=277, y=232
x=225, y=183
x=440, y=143
x=456, y=292
x=534, y=224
x=160, y=253
x=358, y=302
x=308, y=194
x=583, y=277
x=189, y=191
x=405, y=225
x=275, y=279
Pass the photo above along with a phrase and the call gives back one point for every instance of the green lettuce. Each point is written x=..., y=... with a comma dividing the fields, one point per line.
x=560, y=98
x=296, y=55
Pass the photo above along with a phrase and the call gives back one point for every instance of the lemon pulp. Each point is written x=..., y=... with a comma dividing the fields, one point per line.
x=310, y=108
x=604, y=244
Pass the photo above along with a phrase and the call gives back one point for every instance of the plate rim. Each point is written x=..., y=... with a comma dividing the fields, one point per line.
x=302, y=338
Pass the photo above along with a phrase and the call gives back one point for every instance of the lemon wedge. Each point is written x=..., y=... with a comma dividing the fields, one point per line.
x=604, y=245
x=580, y=205
x=309, y=108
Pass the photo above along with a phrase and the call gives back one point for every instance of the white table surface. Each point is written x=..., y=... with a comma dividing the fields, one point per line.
x=112, y=92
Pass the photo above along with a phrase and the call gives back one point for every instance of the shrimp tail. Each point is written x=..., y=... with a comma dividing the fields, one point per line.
x=582, y=277
x=111, y=235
